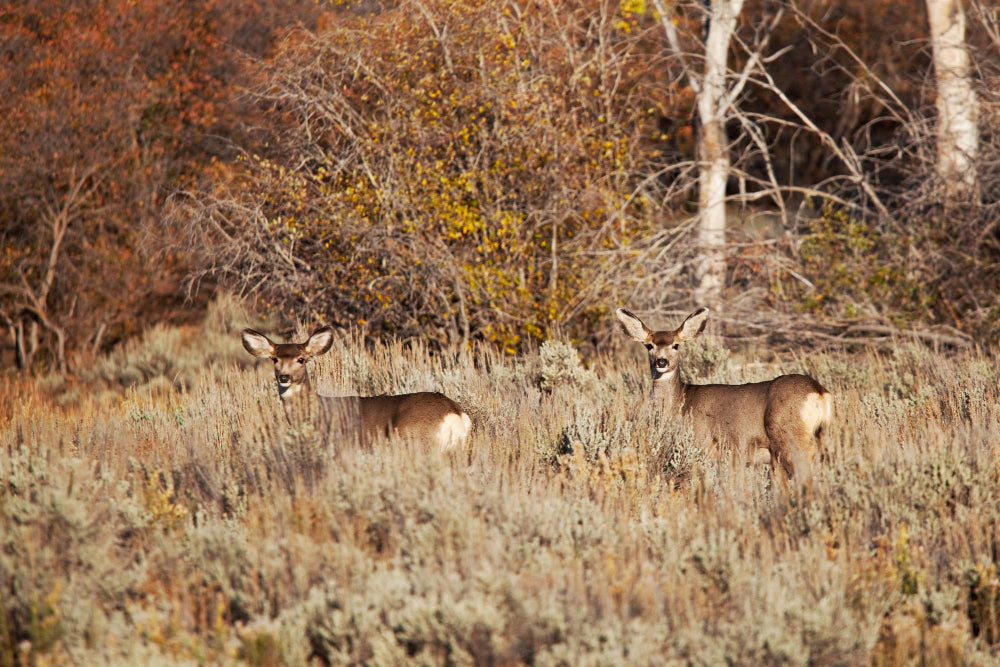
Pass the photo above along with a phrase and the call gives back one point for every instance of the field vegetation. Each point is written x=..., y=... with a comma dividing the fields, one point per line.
x=159, y=510
x=466, y=191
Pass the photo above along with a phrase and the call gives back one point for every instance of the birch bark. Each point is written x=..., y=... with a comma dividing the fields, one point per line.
x=957, y=105
x=713, y=151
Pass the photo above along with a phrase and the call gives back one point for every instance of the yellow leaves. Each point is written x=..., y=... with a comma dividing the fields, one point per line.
x=158, y=498
x=633, y=6
x=469, y=156
x=629, y=9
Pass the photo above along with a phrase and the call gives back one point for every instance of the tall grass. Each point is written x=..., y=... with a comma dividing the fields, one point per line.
x=187, y=522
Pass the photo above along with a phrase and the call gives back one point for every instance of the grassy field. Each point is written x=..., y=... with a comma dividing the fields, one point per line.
x=182, y=521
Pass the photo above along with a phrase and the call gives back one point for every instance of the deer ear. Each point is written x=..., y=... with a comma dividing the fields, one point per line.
x=693, y=325
x=632, y=325
x=257, y=343
x=319, y=342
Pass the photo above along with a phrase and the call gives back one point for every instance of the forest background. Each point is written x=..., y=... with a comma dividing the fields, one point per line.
x=485, y=171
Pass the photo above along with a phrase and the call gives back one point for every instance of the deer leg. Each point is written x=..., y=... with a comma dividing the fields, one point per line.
x=789, y=443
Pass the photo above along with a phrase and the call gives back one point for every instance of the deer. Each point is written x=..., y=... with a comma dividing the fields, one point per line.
x=422, y=416
x=785, y=415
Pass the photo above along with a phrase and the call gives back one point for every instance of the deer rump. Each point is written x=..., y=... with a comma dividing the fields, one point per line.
x=780, y=415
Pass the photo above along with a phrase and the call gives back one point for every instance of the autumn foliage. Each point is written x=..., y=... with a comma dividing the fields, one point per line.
x=467, y=188
x=470, y=171
x=450, y=171
x=105, y=109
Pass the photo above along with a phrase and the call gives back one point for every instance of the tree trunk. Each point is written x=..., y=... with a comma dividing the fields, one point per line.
x=26, y=344
x=957, y=106
x=713, y=152
x=20, y=354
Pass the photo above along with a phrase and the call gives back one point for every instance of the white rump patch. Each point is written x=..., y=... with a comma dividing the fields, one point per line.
x=817, y=410
x=453, y=431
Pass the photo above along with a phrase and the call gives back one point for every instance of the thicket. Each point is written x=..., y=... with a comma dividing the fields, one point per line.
x=106, y=109
x=496, y=172
x=932, y=261
x=187, y=522
x=477, y=171
x=450, y=171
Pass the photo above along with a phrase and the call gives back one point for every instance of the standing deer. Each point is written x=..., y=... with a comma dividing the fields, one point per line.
x=424, y=416
x=784, y=416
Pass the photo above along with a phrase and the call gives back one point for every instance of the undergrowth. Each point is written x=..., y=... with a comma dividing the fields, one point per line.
x=186, y=522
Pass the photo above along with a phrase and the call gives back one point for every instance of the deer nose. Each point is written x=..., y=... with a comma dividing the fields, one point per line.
x=283, y=379
x=661, y=363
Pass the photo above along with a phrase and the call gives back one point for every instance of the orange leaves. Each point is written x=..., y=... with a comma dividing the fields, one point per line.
x=140, y=96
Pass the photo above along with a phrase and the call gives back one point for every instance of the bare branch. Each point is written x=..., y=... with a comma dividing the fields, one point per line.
x=848, y=158
x=666, y=20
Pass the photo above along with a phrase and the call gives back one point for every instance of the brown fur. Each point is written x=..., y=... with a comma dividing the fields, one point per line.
x=422, y=416
x=785, y=415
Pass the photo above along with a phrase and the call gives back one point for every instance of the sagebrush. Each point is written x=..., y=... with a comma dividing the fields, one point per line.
x=190, y=523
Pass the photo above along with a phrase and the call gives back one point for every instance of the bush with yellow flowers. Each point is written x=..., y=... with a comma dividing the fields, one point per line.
x=451, y=171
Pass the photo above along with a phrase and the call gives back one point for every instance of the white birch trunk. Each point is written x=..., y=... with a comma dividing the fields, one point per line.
x=957, y=106
x=713, y=152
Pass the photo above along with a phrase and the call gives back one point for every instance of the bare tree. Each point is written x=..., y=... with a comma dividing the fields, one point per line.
x=714, y=100
x=26, y=304
x=957, y=105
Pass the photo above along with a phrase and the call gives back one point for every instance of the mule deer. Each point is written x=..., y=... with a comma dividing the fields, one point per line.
x=785, y=415
x=423, y=416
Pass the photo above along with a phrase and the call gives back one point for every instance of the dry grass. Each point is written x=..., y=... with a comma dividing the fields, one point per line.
x=192, y=525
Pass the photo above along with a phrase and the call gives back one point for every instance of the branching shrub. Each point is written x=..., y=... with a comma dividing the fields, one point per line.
x=450, y=171
x=560, y=367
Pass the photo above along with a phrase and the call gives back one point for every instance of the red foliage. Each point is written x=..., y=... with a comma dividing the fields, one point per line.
x=107, y=107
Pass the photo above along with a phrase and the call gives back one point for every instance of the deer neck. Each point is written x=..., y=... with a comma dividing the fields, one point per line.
x=295, y=399
x=669, y=391
x=295, y=391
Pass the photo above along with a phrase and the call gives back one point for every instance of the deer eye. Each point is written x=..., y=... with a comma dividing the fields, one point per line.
x=302, y=360
x=676, y=346
x=274, y=359
x=649, y=346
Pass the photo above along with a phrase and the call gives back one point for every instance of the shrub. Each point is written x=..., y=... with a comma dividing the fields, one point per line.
x=471, y=175
x=198, y=526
